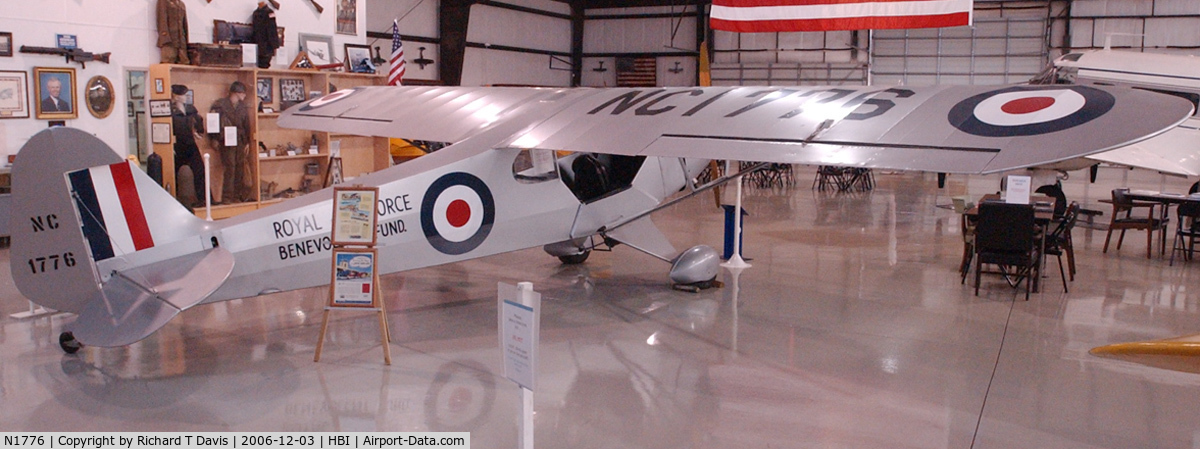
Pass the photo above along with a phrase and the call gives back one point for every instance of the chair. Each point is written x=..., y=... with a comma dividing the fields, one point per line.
x=967, y=226
x=1123, y=205
x=1060, y=198
x=1058, y=242
x=1006, y=236
x=1187, y=231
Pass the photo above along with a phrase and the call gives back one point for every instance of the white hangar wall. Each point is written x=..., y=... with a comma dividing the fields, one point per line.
x=127, y=29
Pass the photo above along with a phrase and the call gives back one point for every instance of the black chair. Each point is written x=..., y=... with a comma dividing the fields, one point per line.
x=1060, y=199
x=1124, y=219
x=1188, y=230
x=1006, y=236
x=1058, y=242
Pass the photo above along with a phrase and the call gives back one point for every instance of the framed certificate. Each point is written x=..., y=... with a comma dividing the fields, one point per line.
x=354, y=215
x=353, y=278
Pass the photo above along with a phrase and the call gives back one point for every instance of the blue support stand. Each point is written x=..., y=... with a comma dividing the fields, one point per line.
x=729, y=231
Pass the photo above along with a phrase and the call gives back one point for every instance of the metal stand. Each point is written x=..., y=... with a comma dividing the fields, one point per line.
x=34, y=312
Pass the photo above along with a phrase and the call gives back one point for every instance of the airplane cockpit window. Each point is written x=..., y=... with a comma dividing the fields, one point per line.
x=592, y=176
x=534, y=166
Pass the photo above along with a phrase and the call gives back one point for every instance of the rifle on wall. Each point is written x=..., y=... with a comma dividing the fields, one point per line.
x=274, y=4
x=72, y=54
x=316, y=5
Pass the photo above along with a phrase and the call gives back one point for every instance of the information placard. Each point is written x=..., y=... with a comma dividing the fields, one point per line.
x=354, y=215
x=1017, y=191
x=518, y=323
x=353, y=278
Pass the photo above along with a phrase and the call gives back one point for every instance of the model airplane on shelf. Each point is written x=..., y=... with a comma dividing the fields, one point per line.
x=97, y=237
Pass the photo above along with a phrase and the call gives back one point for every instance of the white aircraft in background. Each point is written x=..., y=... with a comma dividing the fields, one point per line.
x=1174, y=152
x=95, y=236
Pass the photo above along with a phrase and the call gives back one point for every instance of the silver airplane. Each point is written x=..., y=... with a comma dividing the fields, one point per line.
x=1174, y=152
x=525, y=167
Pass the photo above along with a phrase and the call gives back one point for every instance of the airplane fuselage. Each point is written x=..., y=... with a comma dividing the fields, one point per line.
x=287, y=246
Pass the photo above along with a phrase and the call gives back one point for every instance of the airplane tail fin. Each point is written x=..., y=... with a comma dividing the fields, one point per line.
x=83, y=216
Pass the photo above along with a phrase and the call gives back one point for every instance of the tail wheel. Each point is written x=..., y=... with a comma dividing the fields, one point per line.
x=68, y=343
x=575, y=259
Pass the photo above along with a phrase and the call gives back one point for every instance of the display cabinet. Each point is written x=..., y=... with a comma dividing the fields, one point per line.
x=288, y=162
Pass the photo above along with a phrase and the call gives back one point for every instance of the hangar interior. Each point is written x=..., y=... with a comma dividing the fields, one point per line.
x=851, y=329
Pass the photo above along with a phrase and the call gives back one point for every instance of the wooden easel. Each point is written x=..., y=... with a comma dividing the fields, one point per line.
x=353, y=240
x=377, y=299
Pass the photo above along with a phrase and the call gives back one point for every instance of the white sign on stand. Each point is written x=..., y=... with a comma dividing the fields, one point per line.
x=519, y=313
x=1017, y=191
x=519, y=332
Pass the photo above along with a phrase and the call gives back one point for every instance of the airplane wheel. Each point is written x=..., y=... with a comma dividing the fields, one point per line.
x=575, y=259
x=69, y=344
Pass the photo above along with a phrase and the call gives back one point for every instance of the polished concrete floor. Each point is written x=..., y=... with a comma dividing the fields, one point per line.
x=851, y=330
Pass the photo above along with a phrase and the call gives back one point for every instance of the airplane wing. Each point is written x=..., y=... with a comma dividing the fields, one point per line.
x=1176, y=152
x=953, y=129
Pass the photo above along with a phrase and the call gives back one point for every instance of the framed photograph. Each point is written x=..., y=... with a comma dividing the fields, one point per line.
x=291, y=91
x=158, y=85
x=14, y=94
x=160, y=108
x=160, y=132
x=264, y=88
x=354, y=215
x=347, y=17
x=100, y=96
x=55, y=92
x=318, y=47
x=6, y=44
x=358, y=59
x=353, y=278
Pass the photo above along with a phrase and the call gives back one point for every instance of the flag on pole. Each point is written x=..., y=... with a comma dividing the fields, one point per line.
x=396, y=73
x=762, y=16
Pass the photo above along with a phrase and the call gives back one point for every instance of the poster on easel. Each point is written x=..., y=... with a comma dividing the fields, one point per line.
x=354, y=215
x=353, y=278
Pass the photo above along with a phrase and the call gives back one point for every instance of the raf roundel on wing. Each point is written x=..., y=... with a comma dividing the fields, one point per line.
x=329, y=98
x=457, y=213
x=1029, y=111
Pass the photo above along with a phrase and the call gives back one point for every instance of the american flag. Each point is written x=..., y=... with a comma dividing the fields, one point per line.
x=396, y=73
x=759, y=16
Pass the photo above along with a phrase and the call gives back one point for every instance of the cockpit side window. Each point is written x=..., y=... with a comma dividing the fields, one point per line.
x=534, y=166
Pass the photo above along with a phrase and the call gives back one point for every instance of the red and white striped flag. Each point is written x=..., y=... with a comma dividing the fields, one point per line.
x=763, y=16
x=396, y=73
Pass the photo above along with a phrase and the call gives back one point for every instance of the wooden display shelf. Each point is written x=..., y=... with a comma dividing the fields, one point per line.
x=292, y=158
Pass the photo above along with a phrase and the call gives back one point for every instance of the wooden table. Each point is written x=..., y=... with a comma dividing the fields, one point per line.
x=1166, y=199
x=1043, y=214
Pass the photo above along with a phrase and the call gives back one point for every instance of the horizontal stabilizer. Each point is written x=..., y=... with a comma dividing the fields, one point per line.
x=133, y=304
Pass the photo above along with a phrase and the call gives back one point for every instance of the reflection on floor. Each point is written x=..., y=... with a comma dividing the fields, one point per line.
x=850, y=330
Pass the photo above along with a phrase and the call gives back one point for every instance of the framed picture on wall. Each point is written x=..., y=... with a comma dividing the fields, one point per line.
x=160, y=108
x=14, y=94
x=55, y=92
x=291, y=91
x=6, y=44
x=318, y=47
x=100, y=96
x=347, y=17
x=264, y=88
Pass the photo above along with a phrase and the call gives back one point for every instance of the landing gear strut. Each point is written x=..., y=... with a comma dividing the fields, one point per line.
x=68, y=343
